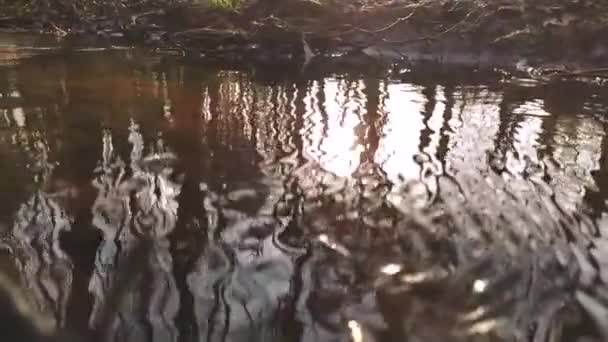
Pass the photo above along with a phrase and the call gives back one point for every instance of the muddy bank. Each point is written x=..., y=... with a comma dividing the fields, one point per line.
x=538, y=38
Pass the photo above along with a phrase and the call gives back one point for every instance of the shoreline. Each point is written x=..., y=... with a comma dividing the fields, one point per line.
x=301, y=32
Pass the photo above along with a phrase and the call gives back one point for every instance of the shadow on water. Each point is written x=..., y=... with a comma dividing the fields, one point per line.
x=431, y=206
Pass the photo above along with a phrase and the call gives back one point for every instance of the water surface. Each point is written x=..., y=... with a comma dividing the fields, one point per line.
x=428, y=205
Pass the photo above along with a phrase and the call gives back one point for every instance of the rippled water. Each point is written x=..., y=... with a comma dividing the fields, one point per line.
x=431, y=205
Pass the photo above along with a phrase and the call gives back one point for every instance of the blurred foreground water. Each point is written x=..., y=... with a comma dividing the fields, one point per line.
x=432, y=205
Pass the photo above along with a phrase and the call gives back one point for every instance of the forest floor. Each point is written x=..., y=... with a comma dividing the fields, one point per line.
x=559, y=37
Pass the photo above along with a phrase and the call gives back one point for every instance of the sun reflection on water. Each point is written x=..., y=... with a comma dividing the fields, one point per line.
x=401, y=133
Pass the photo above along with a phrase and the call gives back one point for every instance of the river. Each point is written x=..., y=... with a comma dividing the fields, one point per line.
x=435, y=203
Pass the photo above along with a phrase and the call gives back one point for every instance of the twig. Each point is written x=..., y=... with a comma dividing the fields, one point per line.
x=136, y=16
x=597, y=73
x=414, y=7
x=387, y=27
x=587, y=71
x=59, y=31
x=511, y=35
x=451, y=28
x=431, y=37
x=208, y=31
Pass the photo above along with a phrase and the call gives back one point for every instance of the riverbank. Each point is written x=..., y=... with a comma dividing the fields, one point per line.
x=563, y=38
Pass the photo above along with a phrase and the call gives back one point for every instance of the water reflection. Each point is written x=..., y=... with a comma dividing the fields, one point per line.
x=134, y=202
x=306, y=209
x=402, y=132
x=46, y=269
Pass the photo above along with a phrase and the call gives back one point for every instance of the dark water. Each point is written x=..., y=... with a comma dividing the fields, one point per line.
x=431, y=205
